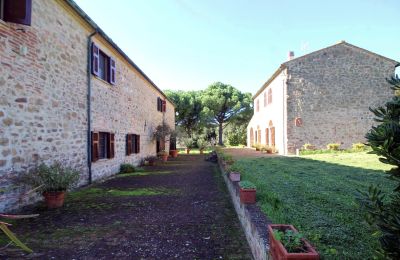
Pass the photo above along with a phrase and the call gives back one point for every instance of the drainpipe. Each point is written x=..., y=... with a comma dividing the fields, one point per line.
x=89, y=95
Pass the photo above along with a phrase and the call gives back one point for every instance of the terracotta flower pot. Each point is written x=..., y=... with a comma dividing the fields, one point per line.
x=164, y=157
x=248, y=196
x=234, y=176
x=278, y=251
x=54, y=199
x=187, y=151
x=173, y=153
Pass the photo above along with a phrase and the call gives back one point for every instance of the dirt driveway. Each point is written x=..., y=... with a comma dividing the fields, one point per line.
x=177, y=210
x=238, y=153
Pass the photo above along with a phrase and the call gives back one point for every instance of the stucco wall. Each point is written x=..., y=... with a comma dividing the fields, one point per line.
x=43, y=95
x=330, y=91
x=272, y=112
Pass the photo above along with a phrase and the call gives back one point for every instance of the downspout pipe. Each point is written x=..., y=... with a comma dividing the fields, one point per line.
x=89, y=97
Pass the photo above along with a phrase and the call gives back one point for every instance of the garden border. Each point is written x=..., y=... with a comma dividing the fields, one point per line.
x=253, y=221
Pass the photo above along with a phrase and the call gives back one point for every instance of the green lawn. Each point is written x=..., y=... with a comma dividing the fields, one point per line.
x=317, y=194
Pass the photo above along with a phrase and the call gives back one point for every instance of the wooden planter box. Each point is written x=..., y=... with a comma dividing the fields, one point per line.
x=248, y=196
x=278, y=251
x=234, y=176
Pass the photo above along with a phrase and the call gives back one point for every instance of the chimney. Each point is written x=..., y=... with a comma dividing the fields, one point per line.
x=291, y=55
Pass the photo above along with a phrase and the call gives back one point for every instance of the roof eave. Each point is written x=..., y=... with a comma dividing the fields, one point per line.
x=265, y=85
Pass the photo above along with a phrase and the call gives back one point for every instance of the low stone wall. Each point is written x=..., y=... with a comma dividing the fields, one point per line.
x=252, y=219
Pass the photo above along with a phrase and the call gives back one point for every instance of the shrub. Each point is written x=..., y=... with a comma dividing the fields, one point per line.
x=127, y=168
x=236, y=136
x=247, y=185
x=188, y=142
x=308, y=147
x=290, y=240
x=201, y=143
x=50, y=178
x=151, y=158
x=333, y=146
x=359, y=147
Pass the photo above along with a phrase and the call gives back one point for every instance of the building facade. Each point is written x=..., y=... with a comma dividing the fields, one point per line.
x=320, y=98
x=68, y=93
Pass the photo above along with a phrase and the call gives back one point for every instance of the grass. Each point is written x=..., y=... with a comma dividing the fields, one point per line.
x=317, y=194
x=194, y=151
x=142, y=173
x=99, y=192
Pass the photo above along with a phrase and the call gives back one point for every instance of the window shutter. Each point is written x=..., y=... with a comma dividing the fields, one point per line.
x=128, y=144
x=158, y=104
x=95, y=146
x=111, y=145
x=137, y=148
x=18, y=11
x=95, y=59
x=112, y=71
x=164, y=106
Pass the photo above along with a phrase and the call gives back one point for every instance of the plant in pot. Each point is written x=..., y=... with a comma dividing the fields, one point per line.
x=188, y=142
x=247, y=192
x=258, y=147
x=287, y=243
x=163, y=155
x=53, y=180
x=172, y=145
x=234, y=173
x=202, y=144
x=150, y=160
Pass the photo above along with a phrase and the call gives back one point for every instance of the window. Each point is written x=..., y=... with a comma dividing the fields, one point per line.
x=258, y=105
x=269, y=96
x=103, y=66
x=16, y=11
x=161, y=105
x=132, y=144
x=265, y=99
x=102, y=145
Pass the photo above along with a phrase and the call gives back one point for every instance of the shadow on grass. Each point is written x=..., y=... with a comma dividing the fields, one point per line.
x=319, y=198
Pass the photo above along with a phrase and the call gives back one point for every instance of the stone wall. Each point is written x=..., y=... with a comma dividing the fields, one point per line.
x=252, y=219
x=43, y=96
x=331, y=91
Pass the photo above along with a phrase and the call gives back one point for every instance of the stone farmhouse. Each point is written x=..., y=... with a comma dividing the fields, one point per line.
x=68, y=93
x=320, y=98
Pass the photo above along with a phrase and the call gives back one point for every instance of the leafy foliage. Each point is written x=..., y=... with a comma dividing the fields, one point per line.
x=202, y=143
x=188, y=142
x=359, y=147
x=246, y=185
x=55, y=177
x=222, y=103
x=163, y=132
x=333, y=146
x=236, y=134
x=290, y=240
x=127, y=168
x=384, y=208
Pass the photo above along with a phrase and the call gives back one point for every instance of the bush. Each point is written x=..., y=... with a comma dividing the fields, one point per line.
x=127, y=168
x=308, y=147
x=359, y=147
x=202, y=144
x=51, y=178
x=236, y=136
x=188, y=142
x=247, y=185
x=333, y=146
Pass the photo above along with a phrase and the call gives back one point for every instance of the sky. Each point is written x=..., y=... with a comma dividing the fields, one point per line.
x=189, y=44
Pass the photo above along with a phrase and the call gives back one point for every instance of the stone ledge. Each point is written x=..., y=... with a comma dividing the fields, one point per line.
x=253, y=220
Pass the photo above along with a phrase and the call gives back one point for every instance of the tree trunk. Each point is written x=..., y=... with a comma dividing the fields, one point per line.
x=220, y=135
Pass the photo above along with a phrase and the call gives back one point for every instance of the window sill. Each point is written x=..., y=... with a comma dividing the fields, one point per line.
x=102, y=80
x=102, y=160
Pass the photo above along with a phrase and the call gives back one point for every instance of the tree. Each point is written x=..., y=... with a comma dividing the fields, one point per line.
x=188, y=108
x=384, y=209
x=222, y=103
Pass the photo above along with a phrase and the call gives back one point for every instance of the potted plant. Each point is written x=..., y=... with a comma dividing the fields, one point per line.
x=163, y=155
x=258, y=147
x=173, y=152
x=234, y=174
x=247, y=192
x=202, y=144
x=287, y=243
x=269, y=149
x=150, y=160
x=188, y=142
x=53, y=182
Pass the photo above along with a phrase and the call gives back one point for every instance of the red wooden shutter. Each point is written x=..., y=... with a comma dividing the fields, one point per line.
x=158, y=104
x=111, y=144
x=18, y=11
x=137, y=148
x=164, y=105
x=112, y=71
x=95, y=146
x=128, y=144
x=95, y=59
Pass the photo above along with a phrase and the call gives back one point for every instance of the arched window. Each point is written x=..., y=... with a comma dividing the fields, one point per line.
x=269, y=96
x=266, y=136
x=272, y=132
x=258, y=135
x=258, y=105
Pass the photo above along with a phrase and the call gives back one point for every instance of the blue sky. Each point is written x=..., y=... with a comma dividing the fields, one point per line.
x=187, y=45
